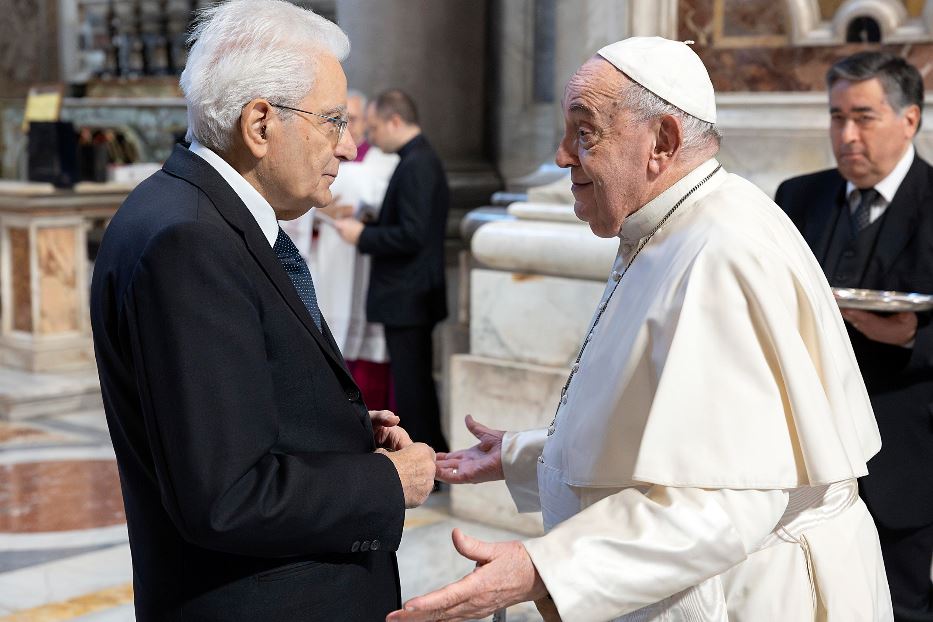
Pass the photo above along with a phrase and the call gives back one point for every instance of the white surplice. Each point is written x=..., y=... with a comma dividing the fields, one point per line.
x=702, y=465
x=340, y=272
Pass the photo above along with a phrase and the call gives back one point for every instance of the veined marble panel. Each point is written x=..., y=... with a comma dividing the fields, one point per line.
x=559, y=249
x=58, y=304
x=530, y=319
x=21, y=279
x=504, y=395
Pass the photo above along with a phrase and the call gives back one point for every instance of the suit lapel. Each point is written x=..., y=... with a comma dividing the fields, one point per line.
x=899, y=222
x=193, y=169
x=821, y=221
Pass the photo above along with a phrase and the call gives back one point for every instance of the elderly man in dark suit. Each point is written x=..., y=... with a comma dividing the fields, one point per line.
x=870, y=223
x=256, y=483
x=407, y=292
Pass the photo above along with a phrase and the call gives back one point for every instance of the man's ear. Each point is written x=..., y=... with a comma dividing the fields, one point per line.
x=912, y=115
x=667, y=144
x=257, y=124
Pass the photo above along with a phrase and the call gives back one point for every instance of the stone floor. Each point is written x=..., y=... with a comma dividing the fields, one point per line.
x=63, y=542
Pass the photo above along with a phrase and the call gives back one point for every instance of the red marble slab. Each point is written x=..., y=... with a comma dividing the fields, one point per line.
x=59, y=496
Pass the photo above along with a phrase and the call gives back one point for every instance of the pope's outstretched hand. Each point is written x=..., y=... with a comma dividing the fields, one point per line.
x=480, y=463
x=504, y=575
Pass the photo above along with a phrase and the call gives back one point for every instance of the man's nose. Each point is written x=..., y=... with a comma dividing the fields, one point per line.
x=850, y=133
x=565, y=156
x=346, y=147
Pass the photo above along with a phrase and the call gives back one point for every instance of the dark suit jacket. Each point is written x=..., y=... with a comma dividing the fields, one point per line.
x=899, y=487
x=406, y=283
x=244, y=448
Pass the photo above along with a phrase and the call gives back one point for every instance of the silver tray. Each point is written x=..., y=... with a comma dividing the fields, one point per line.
x=877, y=300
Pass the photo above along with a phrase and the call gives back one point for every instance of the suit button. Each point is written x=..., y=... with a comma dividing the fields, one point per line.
x=353, y=395
x=355, y=547
x=365, y=546
x=374, y=546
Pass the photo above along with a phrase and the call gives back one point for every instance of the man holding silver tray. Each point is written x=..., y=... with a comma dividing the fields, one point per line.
x=870, y=224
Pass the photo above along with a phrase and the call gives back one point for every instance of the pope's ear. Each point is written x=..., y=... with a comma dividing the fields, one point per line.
x=667, y=143
x=669, y=137
x=256, y=125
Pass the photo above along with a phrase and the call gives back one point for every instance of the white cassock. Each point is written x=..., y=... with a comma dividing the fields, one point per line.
x=340, y=272
x=702, y=466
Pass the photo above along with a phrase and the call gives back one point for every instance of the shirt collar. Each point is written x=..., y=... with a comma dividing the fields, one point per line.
x=888, y=186
x=255, y=202
x=644, y=220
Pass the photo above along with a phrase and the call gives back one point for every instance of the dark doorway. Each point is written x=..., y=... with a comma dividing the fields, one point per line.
x=863, y=30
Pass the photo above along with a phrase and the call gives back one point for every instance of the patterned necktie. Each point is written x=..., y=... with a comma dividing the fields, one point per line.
x=861, y=217
x=298, y=272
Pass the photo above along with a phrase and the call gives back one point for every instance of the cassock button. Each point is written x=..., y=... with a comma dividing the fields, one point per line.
x=575, y=368
x=365, y=546
x=353, y=395
x=616, y=275
x=374, y=546
x=563, y=399
x=355, y=547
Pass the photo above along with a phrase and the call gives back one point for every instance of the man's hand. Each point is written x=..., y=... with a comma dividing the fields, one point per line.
x=504, y=575
x=415, y=466
x=480, y=463
x=897, y=330
x=386, y=430
x=349, y=229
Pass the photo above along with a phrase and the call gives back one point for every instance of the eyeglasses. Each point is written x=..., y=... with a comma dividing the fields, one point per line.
x=337, y=123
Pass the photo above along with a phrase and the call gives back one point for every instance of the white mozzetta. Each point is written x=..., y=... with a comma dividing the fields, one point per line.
x=559, y=249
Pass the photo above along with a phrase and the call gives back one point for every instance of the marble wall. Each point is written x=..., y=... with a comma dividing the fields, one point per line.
x=746, y=45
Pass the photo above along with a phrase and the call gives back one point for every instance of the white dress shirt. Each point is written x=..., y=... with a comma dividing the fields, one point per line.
x=255, y=202
x=886, y=188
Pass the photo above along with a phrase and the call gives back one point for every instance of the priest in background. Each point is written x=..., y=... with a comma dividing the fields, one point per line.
x=703, y=458
x=341, y=273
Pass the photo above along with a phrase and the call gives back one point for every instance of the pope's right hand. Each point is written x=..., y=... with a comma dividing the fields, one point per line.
x=415, y=466
x=480, y=463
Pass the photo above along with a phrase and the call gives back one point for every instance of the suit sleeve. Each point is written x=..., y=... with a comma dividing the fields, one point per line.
x=193, y=321
x=414, y=196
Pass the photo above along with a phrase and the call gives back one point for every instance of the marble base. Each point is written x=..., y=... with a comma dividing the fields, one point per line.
x=25, y=395
x=528, y=318
x=56, y=354
x=507, y=396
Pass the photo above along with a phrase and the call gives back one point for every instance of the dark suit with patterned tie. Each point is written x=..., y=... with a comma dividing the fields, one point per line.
x=893, y=253
x=245, y=451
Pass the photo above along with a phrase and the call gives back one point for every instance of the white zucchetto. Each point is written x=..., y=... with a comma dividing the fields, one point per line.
x=669, y=69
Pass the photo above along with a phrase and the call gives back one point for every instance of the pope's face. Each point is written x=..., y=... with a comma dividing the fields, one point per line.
x=869, y=137
x=605, y=148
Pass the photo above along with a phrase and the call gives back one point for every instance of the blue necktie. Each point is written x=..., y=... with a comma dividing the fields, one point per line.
x=298, y=272
x=861, y=217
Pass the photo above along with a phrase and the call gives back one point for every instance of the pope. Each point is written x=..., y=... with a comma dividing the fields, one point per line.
x=702, y=461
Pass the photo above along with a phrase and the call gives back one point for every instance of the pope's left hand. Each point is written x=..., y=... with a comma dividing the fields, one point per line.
x=349, y=229
x=504, y=576
x=897, y=330
x=386, y=430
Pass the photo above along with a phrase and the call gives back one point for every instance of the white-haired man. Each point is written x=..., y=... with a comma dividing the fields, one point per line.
x=702, y=461
x=251, y=477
